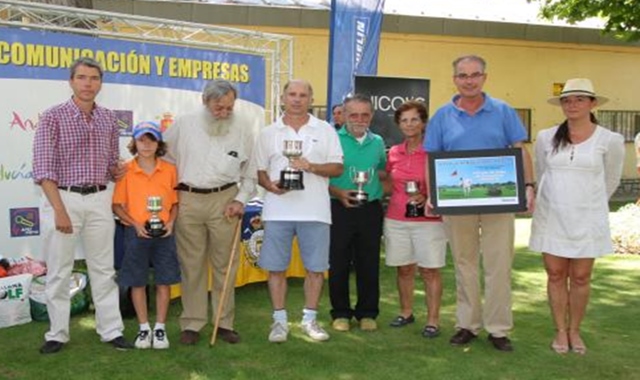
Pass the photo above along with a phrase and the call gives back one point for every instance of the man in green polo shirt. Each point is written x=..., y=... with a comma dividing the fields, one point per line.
x=357, y=219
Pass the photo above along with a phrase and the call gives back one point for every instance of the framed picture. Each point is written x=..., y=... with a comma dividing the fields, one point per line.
x=477, y=181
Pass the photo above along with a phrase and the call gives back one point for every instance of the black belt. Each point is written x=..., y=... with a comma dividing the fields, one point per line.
x=183, y=187
x=84, y=190
x=368, y=202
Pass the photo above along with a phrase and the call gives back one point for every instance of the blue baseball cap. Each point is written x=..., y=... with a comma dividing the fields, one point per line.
x=150, y=127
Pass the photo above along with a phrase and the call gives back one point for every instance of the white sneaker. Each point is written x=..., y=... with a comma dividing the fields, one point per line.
x=279, y=332
x=314, y=331
x=143, y=339
x=160, y=340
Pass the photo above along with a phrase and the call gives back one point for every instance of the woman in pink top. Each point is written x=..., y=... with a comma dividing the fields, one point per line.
x=411, y=239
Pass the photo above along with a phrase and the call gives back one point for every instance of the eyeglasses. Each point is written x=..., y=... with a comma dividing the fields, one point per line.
x=464, y=76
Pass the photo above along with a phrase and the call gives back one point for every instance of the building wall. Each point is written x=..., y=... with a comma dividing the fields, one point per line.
x=520, y=72
x=524, y=60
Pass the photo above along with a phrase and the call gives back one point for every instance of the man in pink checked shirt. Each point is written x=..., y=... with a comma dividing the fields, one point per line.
x=75, y=155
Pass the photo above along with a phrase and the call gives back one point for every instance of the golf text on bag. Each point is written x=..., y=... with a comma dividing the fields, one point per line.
x=12, y=292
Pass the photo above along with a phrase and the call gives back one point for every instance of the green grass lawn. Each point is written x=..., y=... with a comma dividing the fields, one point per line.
x=610, y=330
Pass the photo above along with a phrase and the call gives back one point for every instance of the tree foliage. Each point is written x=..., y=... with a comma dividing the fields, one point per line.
x=622, y=16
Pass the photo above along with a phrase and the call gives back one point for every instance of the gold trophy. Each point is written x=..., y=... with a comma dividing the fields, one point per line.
x=290, y=178
x=360, y=178
x=413, y=210
x=155, y=226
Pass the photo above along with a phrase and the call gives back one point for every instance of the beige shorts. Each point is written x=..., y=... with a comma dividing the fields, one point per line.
x=422, y=243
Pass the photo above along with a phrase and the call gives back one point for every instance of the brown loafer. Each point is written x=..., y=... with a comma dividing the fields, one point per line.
x=462, y=337
x=501, y=343
x=228, y=336
x=189, y=337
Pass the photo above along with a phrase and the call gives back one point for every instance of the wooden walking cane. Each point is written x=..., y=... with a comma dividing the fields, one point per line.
x=223, y=299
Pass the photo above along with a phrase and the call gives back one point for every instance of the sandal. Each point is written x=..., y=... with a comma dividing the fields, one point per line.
x=578, y=345
x=580, y=350
x=560, y=348
x=430, y=331
x=401, y=321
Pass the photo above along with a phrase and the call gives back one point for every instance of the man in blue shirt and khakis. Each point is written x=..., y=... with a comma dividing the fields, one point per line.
x=474, y=120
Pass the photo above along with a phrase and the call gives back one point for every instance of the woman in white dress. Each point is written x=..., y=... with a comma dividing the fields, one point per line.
x=578, y=166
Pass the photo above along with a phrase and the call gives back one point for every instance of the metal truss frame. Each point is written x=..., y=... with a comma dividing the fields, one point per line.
x=276, y=49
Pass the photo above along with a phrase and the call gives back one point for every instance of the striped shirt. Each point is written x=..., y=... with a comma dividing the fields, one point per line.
x=70, y=150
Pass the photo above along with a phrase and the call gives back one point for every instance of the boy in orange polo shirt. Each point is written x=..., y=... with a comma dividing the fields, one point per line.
x=148, y=176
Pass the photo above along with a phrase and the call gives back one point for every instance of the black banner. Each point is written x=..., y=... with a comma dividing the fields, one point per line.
x=387, y=94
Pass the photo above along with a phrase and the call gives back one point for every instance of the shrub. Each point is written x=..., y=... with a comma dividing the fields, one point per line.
x=625, y=229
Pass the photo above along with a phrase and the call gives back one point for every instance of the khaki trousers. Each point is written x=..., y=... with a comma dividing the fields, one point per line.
x=204, y=238
x=492, y=237
x=94, y=227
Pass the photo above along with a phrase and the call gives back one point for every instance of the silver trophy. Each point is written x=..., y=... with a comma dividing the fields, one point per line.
x=360, y=178
x=413, y=210
x=155, y=226
x=290, y=178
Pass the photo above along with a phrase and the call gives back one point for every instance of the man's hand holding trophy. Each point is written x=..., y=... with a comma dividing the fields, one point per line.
x=360, y=178
x=291, y=177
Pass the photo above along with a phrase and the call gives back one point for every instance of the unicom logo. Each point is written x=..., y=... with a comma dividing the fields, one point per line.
x=13, y=174
x=391, y=102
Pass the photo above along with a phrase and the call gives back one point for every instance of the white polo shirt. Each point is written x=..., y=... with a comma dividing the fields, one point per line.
x=320, y=145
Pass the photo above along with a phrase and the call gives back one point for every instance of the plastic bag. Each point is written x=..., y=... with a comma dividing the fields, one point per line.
x=77, y=290
x=14, y=294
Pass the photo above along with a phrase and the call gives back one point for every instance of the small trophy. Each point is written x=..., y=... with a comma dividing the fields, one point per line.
x=360, y=178
x=155, y=225
x=290, y=178
x=413, y=210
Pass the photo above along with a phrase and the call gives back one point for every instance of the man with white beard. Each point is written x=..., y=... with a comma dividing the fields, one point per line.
x=211, y=149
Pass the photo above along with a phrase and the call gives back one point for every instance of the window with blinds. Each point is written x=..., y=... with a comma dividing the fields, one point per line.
x=627, y=123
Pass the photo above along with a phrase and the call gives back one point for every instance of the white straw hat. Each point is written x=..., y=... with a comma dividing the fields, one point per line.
x=577, y=87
